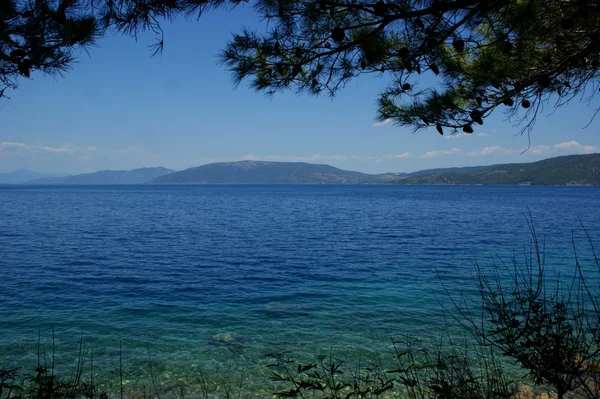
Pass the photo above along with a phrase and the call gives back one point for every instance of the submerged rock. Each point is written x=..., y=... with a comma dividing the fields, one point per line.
x=232, y=341
x=224, y=338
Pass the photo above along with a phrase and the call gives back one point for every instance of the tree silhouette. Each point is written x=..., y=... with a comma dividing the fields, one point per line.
x=547, y=324
x=475, y=55
x=41, y=35
x=480, y=54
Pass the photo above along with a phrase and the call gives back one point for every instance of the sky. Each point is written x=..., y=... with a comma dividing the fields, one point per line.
x=120, y=108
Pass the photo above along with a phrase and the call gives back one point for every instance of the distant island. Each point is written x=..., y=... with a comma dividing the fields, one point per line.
x=565, y=170
x=21, y=176
x=135, y=176
x=262, y=172
x=570, y=170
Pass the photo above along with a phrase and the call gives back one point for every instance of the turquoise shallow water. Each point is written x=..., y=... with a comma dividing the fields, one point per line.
x=208, y=277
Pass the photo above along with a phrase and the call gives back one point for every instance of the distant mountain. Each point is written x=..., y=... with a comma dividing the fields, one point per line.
x=22, y=175
x=565, y=170
x=262, y=172
x=135, y=176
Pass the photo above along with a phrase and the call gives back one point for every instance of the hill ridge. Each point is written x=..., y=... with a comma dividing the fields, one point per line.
x=133, y=176
x=270, y=172
x=564, y=170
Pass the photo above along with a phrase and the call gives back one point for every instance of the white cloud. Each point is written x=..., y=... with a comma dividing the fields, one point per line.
x=433, y=154
x=575, y=146
x=589, y=149
x=395, y=156
x=566, y=145
x=539, y=149
x=20, y=150
x=6, y=145
x=486, y=151
x=384, y=122
x=57, y=149
x=569, y=146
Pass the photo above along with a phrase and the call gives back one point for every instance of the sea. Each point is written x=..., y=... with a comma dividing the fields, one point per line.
x=173, y=282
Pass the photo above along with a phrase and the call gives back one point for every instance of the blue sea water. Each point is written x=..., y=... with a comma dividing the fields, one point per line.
x=215, y=276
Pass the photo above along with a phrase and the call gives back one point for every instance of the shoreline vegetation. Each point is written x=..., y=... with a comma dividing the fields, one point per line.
x=545, y=324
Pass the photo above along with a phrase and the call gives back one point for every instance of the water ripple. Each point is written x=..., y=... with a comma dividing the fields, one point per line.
x=301, y=268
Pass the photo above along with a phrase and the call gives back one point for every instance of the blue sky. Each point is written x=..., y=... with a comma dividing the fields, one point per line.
x=120, y=108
